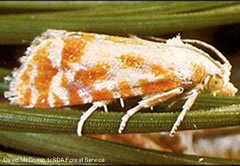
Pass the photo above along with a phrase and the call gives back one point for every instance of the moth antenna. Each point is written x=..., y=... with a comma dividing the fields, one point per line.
x=140, y=39
x=132, y=36
x=206, y=45
x=157, y=39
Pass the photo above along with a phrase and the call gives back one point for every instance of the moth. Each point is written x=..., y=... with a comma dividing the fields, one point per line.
x=63, y=68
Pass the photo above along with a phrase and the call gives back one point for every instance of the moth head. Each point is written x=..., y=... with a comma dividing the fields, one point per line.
x=221, y=85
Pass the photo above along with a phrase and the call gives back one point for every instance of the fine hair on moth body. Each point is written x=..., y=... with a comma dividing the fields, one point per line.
x=63, y=68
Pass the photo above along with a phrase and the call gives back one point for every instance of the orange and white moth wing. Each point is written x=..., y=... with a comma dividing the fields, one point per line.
x=66, y=68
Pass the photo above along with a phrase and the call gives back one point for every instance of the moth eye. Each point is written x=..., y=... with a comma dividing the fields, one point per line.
x=215, y=83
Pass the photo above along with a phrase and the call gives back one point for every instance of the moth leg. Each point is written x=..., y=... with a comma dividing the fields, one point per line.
x=177, y=100
x=89, y=112
x=121, y=102
x=105, y=108
x=148, y=102
x=191, y=98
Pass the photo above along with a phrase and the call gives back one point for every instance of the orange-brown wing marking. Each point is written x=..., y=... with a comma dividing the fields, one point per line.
x=131, y=61
x=125, y=89
x=57, y=101
x=74, y=49
x=74, y=98
x=45, y=73
x=99, y=95
x=25, y=78
x=167, y=82
x=26, y=96
x=88, y=77
x=199, y=74
x=147, y=87
x=122, y=40
x=82, y=77
x=157, y=70
x=98, y=72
